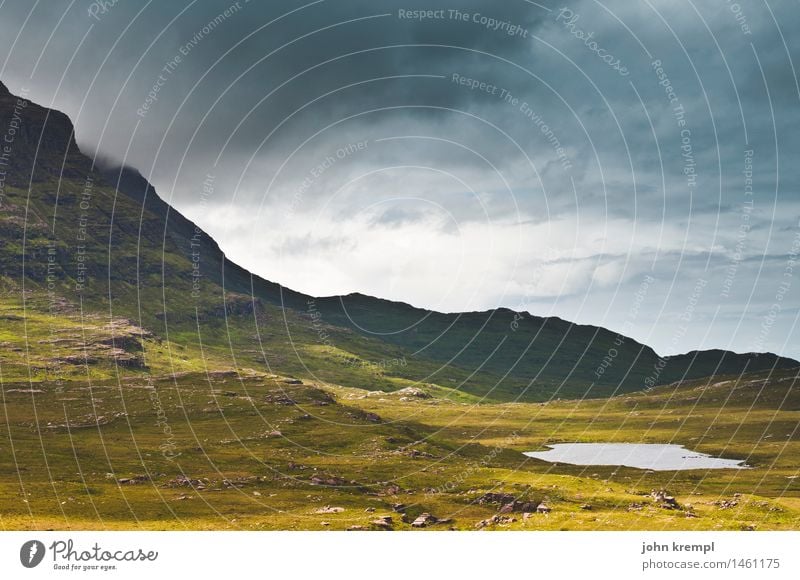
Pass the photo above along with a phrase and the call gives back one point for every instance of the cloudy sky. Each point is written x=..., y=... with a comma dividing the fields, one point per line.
x=625, y=164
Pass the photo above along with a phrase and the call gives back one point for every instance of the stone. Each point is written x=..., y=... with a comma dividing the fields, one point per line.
x=666, y=501
x=330, y=480
x=329, y=510
x=423, y=520
x=494, y=520
x=497, y=498
x=383, y=522
x=413, y=392
x=725, y=504
x=391, y=490
x=372, y=417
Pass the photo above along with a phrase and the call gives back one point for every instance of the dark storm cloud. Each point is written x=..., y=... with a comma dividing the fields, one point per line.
x=558, y=120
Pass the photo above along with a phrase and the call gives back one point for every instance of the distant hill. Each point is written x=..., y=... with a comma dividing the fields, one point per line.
x=104, y=241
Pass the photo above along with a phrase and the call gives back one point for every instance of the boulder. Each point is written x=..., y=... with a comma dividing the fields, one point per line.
x=496, y=519
x=664, y=500
x=496, y=498
x=543, y=509
x=413, y=392
x=331, y=480
x=383, y=522
x=424, y=520
x=519, y=507
x=329, y=510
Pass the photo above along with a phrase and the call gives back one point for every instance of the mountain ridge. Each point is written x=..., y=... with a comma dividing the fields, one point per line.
x=142, y=251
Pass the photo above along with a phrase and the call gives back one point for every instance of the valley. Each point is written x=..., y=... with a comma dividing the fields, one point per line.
x=206, y=446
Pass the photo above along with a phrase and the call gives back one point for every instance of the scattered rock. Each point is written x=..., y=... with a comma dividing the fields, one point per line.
x=355, y=528
x=413, y=392
x=494, y=520
x=416, y=453
x=327, y=480
x=280, y=400
x=496, y=498
x=390, y=490
x=507, y=502
x=329, y=510
x=183, y=481
x=383, y=522
x=424, y=520
x=586, y=507
x=725, y=504
x=237, y=482
x=133, y=480
x=664, y=500
x=519, y=507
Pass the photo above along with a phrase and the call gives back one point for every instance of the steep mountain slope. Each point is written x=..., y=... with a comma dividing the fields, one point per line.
x=103, y=242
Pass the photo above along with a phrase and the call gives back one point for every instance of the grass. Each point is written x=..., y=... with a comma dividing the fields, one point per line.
x=251, y=443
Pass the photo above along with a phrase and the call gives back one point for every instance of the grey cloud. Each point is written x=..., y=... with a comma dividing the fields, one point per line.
x=583, y=122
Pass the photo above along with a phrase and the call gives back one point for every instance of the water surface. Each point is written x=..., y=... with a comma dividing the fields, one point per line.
x=654, y=456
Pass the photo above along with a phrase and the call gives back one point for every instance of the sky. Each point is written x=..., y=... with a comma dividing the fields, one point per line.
x=631, y=165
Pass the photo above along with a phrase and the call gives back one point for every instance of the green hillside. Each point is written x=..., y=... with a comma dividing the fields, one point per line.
x=78, y=239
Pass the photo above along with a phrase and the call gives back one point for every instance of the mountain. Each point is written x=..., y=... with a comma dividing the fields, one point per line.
x=80, y=240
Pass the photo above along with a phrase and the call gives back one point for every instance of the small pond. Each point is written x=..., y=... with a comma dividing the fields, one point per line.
x=654, y=456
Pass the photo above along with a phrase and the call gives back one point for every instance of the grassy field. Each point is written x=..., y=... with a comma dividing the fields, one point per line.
x=242, y=449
